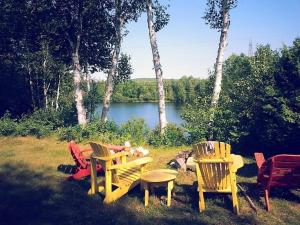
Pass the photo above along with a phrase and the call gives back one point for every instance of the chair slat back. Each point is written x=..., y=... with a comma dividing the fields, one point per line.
x=75, y=150
x=101, y=150
x=285, y=170
x=215, y=176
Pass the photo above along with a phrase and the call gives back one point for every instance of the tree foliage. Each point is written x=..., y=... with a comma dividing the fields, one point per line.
x=259, y=105
x=214, y=12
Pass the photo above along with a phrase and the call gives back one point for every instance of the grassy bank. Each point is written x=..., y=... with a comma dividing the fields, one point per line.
x=33, y=191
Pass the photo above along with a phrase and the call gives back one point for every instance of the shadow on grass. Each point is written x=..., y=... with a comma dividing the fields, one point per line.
x=32, y=197
x=256, y=194
x=67, y=169
x=248, y=170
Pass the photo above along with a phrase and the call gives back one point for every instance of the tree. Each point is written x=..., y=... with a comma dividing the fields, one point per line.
x=85, y=33
x=124, y=11
x=217, y=17
x=162, y=20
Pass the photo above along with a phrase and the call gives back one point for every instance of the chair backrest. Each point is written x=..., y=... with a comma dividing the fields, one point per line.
x=259, y=158
x=285, y=170
x=101, y=150
x=215, y=176
x=75, y=150
x=212, y=150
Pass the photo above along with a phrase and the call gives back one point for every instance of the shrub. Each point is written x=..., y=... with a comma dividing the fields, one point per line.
x=135, y=130
x=8, y=126
x=70, y=133
x=29, y=126
x=97, y=130
x=173, y=136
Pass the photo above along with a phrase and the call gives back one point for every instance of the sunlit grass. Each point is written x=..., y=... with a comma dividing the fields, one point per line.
x=33, y=191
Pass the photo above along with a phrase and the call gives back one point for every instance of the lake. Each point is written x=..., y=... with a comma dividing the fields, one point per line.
x=122, y=112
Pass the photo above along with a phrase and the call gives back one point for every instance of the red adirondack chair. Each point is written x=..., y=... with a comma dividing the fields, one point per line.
x=81, y=161
x=277, y=171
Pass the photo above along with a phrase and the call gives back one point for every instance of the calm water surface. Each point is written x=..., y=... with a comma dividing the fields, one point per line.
x=122, y=112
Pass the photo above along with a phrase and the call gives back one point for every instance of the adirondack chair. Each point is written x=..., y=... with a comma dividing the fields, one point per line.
x=278, y=171
x=81, y=161
x=119, y=178
x=216, y=170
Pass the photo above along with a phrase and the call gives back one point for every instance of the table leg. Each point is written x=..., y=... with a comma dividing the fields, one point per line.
x=170, y=187
x=146, y=186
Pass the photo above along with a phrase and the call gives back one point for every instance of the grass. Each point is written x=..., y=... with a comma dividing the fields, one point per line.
x=33, y=191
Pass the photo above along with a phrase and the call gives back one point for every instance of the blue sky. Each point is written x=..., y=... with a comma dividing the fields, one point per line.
x=188, y=46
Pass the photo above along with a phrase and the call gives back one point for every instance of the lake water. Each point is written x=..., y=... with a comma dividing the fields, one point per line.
x=122, y=112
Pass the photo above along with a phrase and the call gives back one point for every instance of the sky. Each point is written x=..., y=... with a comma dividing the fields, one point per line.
x=187, y=46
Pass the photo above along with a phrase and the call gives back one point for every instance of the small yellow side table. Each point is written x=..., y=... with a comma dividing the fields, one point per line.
x=160, y=177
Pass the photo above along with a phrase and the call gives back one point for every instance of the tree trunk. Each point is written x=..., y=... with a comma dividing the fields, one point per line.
x=31, y=88
x=220, y=56
x=81, y=112
x=114, y=65
x=45, y=92
x=157, y=67
x=57, y=93
x=45, y=49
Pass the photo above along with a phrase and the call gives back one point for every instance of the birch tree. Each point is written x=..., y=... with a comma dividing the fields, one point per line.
x=123, y=12
x=217, y=17
x=153, y=28
x=86, y=32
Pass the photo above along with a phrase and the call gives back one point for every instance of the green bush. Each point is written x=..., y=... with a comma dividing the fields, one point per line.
x=28, y=126
x=135, y=130
x=8, y=126
x=96, y=130
x=70, y=133
x=37, y=124
x=173, y=136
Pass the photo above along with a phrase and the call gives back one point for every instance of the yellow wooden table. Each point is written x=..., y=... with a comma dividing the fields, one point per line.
x=160, y=177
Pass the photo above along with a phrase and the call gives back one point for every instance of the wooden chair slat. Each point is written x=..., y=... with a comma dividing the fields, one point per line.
x=214, y=170
x=124, y=176
x=278, y=171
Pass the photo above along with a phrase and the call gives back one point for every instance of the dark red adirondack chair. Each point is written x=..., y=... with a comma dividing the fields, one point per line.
x=277, y=171
x=83, y=166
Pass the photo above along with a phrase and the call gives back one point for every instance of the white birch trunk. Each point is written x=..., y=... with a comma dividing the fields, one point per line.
x=114, y=65
x=157, y=67
x=57, y=93
x=45, y=91
x=45, y=88
x=81, y=112
x=220, y=56
x=31, y=88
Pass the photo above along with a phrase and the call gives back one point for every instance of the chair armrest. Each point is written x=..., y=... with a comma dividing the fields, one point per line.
x=117, y=148
x=135, y=163
x=86, y=150
x=111, y=157
x=225, y=160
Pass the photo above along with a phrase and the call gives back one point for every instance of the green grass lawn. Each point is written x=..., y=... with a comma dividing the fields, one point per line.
x=33, y=191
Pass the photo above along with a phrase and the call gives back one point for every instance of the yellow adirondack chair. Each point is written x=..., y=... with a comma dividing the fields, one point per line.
x=216, y=170
x=119, y=178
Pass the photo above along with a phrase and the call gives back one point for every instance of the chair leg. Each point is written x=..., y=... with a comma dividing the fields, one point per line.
x=146, y=187
x=80, y=174
x=201, y=201
x=235, y=202
x=267, y=191
x=170, y=188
